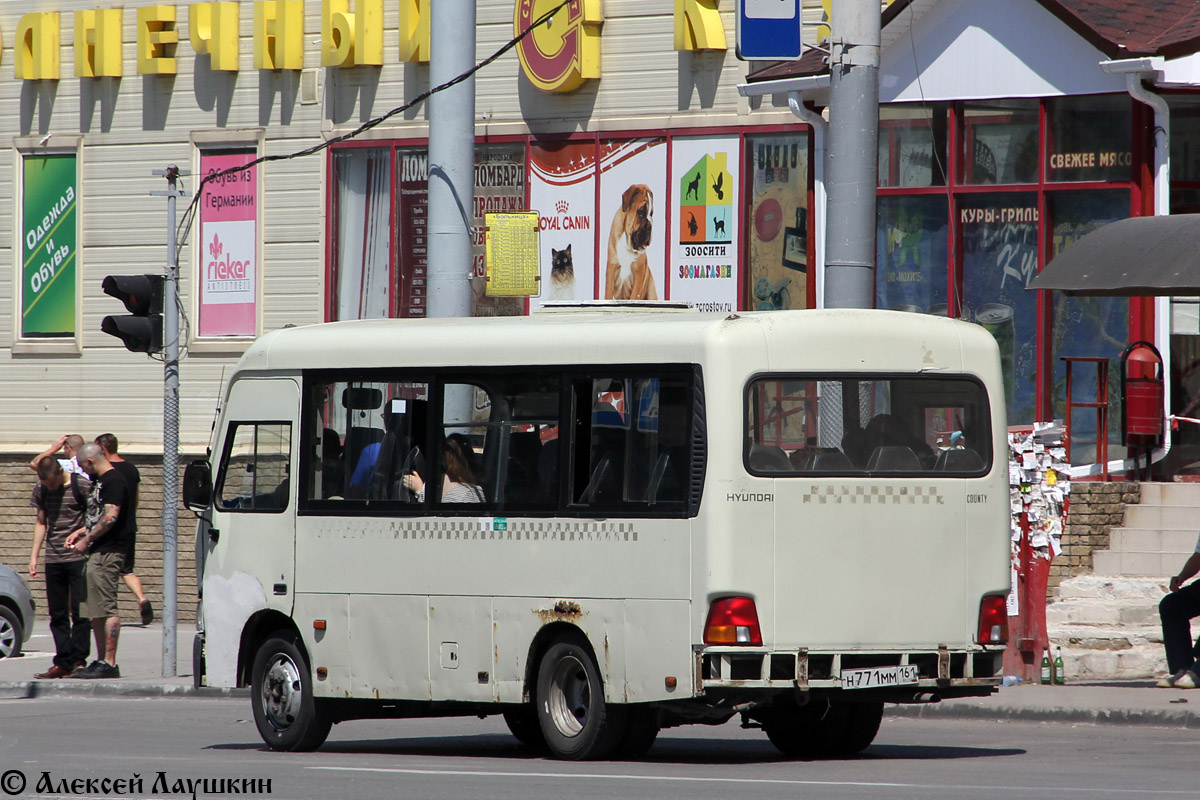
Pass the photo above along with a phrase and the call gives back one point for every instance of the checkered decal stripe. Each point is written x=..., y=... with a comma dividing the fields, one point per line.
x=879, y=495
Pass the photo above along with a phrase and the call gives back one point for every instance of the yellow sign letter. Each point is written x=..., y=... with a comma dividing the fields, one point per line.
x=349, y=39
x=213, y=30
x=279, y=34
x=698, y=25
x=37, y=57
x=414, y=30
x=156, y=40
x=98, y=43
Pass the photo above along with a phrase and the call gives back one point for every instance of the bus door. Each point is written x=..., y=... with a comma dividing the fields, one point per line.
x=252, y=535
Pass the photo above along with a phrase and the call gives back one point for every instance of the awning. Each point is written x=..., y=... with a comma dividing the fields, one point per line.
x=1136, y=257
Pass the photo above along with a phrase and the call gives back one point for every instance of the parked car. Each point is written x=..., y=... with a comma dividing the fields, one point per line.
x=16, y=612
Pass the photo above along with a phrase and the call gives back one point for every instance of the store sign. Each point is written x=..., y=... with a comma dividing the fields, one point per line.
x=349, y=37
x=562, y=53
x=1090, y=160
x=48, y=245
x=559, y=56
x=229, y=247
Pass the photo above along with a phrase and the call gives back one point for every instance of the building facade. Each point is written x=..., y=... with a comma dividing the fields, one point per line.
x=1006, y=132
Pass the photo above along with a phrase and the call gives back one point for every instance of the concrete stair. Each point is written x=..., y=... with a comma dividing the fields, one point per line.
x=1107, y=622
x=1158, y=535
x=1108, y=627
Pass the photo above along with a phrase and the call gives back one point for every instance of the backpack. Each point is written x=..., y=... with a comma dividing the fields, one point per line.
x=80, y=498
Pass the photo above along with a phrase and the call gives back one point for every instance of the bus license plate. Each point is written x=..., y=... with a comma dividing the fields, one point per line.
x=880, y=677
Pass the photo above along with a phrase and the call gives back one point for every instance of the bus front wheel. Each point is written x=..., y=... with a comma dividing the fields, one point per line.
x=286, y=713
x=576, y=722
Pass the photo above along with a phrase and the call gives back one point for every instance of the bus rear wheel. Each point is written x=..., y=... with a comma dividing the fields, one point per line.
x=286, y=713
x=576, y=722
x=823, y=730
x=523, y=724
x=641, y=730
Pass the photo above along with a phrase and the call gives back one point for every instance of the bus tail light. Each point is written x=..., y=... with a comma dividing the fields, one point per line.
x=993, y=620
x=732, y=620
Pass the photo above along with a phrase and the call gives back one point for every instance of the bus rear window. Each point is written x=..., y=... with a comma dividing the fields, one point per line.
x=885, y=426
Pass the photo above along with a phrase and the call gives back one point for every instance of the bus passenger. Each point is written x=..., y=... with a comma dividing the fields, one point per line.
x=459, y=483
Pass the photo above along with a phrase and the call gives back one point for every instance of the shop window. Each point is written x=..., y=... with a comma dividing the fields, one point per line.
x=1089, y=138
x=49, y=246
x=360, y=256
x=999, y=235
x=1185, y=155
x=1185, y=140
x=911, y=253
x=912, y=144
x=1000, y=141
x=1087, y=326
x=778, y=242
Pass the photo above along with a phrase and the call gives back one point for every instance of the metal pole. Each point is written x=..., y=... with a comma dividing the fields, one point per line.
x=170, y=479
x=451, y=159
x=852, y=168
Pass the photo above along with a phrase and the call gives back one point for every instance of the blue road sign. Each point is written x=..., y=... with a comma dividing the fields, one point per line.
x=768, y=30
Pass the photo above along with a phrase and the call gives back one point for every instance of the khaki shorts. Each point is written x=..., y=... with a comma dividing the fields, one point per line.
x=103, y=579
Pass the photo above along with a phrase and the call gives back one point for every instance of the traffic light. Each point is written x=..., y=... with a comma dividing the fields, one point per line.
x=141, y=330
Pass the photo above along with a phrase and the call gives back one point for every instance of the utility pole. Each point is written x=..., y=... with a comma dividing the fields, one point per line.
x=852, y=159
x=170, y=468
x=451, y=158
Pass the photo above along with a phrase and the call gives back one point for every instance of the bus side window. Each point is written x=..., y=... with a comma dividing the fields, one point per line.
x=632, y=448
x=255, y=472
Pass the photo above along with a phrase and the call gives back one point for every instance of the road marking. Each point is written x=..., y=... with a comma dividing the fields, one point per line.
x=1055, y=790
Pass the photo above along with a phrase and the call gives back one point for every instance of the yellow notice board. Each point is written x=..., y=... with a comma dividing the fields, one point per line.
x=511, y=251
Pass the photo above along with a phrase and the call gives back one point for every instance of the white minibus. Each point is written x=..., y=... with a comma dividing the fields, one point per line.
x=601, y=523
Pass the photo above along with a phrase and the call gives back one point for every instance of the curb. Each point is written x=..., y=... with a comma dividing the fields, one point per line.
x=1159, y=718
x=66, y=687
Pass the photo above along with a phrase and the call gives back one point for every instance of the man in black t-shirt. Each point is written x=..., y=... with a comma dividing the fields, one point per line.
x=105, y=538
x=108, y=444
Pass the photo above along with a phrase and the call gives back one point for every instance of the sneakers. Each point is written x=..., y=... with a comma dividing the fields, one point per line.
x=55, y=671
x=98, y=669
x=1183, y=679
x=147, y=612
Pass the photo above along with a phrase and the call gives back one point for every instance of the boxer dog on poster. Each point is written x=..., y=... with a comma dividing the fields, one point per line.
x=628, y=275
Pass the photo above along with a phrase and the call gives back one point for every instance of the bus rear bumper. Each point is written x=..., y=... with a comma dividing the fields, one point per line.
x=943, y=672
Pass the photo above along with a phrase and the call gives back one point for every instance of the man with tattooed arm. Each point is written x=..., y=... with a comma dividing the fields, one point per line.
x=105, y=539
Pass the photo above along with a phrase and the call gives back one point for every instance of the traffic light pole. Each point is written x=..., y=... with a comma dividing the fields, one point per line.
x=170, y=468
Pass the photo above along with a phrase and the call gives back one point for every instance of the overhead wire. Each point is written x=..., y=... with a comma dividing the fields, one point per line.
x=189, y=214
x=185, y=224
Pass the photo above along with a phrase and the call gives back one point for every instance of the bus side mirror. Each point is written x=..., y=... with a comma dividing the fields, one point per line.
x=197, y=486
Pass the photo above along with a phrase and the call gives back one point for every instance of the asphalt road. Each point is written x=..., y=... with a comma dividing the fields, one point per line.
x=76, y=739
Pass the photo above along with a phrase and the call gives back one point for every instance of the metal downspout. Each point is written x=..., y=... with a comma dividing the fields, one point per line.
x=820, y=128
x=1162, y=207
